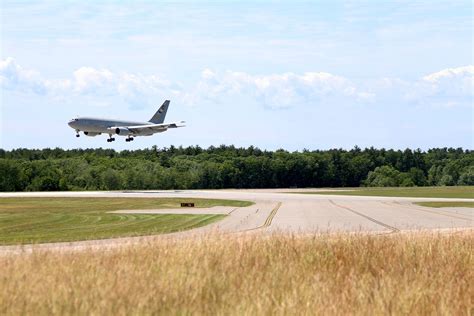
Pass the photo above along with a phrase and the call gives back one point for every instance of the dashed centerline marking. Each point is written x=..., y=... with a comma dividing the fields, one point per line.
x=393, y=229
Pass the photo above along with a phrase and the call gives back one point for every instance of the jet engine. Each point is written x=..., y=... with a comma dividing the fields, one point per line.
x=120, y=130
x=91, y=134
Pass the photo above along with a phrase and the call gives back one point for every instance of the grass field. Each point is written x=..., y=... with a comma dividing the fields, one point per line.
x=415, y=274
x=446, y=204
x=38, y=220
x=428, y=192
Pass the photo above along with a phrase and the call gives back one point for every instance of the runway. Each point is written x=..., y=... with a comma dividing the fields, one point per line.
x=277, y=211
x=288, y=212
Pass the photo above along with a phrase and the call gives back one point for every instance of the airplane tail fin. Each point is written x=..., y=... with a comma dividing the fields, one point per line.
x=159, y=116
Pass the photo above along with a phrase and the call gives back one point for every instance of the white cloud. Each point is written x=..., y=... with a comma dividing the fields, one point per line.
x=15, y=77
x=276, y=90
x=466, y=71
x=449, y=87
x=85, y=81
x=90, y=80
x=445, y=88
x=452, y=81
x=207, y=74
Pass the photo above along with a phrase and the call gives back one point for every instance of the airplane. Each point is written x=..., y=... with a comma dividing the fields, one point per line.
x=95, y=126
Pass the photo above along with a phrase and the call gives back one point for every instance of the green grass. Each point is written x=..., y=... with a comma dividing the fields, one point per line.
x=446, y=204
x=428, y=192
x=39, y=220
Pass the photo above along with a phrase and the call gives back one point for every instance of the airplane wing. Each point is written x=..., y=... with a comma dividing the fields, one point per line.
x=154, y=128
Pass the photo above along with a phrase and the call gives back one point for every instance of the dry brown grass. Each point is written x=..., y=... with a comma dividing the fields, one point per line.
x=331, y=274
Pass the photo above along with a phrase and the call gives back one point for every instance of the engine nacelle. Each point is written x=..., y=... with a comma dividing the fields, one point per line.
x=91, y=134
x=119, y=130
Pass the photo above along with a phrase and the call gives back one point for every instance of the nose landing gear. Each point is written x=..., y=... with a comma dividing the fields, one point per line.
x=77, y=134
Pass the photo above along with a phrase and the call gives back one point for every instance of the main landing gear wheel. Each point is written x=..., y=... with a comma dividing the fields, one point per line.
x=111, y=139
x=129, y=139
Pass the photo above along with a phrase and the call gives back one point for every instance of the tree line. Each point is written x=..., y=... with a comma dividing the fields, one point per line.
x=230, y=167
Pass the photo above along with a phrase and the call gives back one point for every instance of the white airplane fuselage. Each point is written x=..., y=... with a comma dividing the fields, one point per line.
x=92, y=126
x=96, y=126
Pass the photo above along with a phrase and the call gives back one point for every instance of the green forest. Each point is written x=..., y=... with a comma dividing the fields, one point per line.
x=230, y=167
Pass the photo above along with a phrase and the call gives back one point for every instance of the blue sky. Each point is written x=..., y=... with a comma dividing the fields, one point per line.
x=293, y=75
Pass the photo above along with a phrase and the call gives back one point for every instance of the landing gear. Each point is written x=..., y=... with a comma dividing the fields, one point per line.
x=111, y=139
x=129, y=139
x=77, y=134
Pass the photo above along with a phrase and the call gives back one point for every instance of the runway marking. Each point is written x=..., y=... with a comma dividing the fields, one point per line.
x=267, y=222
x=272, y=214
x=393, y=229
x=411, y=206
x=232, y=211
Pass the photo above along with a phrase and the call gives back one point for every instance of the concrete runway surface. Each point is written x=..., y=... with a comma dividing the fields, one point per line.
x=280, y=211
